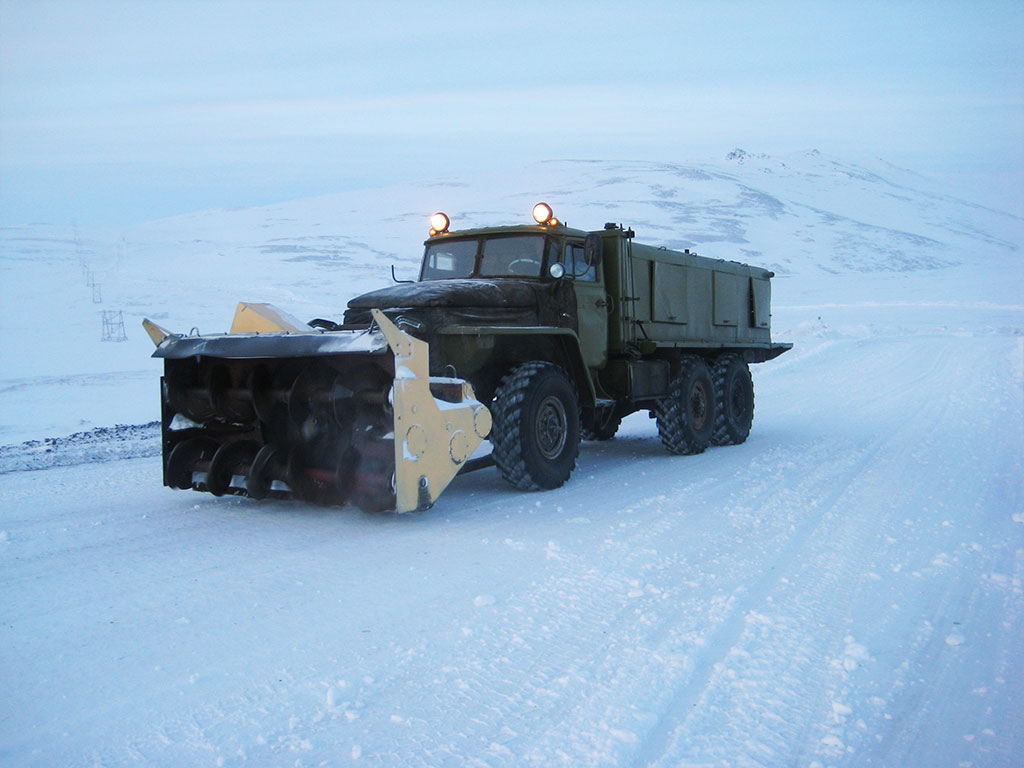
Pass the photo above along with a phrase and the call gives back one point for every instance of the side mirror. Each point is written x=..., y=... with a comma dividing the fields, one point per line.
x=593, y=247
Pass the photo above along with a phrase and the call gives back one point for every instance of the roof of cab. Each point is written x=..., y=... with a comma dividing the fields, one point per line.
x=516, y=229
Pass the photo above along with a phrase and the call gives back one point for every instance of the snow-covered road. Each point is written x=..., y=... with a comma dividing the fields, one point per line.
x=843, y=589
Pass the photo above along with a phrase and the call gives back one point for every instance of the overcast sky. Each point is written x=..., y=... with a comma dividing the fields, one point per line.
x=112, y=113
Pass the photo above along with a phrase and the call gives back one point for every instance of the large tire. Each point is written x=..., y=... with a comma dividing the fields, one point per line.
x=734, y=400
x=536, y=433
x=686, y=416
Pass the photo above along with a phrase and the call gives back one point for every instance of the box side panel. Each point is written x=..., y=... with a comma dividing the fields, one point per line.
x=761, y=289
x=729, y=298
x=669, y=294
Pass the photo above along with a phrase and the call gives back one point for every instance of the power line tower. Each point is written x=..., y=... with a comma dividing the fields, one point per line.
x=113, y=325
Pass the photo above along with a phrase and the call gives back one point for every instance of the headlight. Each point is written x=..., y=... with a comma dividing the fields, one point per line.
x=542, y=213
x=438, y=223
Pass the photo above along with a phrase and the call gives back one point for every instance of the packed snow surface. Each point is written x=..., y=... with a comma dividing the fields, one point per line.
x=843, y=589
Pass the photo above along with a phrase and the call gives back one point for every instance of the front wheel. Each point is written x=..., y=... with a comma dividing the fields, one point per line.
x=686, y=416
x=536, y=433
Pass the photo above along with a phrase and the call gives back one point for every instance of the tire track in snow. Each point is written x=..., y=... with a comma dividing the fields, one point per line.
x=842, y=565
x=922, y=690
x=647, y=669
x=725, y=637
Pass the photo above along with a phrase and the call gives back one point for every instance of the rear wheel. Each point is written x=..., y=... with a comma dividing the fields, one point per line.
x=734, y=400
x=686, y=416
x=536, y=433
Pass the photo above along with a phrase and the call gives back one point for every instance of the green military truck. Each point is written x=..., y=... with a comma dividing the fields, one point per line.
x=536, y=336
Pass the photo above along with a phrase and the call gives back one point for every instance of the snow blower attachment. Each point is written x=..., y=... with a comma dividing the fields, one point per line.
x=277, y=409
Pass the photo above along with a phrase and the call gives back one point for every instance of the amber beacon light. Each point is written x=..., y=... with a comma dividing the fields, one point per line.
x=439, y=223
x=543, y=214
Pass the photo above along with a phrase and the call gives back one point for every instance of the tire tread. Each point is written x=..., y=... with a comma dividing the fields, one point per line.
x=670, y=413
x=506, y=435
x=723, y=433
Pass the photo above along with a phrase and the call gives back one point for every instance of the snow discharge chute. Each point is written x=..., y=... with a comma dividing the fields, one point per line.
x=276, y=409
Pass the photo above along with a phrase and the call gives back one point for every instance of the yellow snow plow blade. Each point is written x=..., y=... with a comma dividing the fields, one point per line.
x=277, y=409
x=264, y=318
x=433, y=435
x=156, y=332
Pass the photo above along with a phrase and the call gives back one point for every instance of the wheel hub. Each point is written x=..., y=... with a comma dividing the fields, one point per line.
x=551, y=427
x=698, y=406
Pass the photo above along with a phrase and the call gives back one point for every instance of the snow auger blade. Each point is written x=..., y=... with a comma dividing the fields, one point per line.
x=277, y=410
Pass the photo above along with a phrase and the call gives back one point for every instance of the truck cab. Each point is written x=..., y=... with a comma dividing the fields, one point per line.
x=627, y=326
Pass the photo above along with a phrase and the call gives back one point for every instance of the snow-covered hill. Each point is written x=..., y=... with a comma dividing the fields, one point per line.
x=834, y=233
x=843, y=589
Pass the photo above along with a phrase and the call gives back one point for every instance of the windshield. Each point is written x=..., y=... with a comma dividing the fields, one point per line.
x=513, y=256
x=451, y=258
x=508, y=256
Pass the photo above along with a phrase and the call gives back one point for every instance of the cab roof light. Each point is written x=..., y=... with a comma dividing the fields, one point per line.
x=543, y=214
x=439, y=223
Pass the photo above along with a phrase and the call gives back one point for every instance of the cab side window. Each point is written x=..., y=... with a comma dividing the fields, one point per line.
x=576, y=264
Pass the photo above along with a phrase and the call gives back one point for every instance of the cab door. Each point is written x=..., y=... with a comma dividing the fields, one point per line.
x=591, y=304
